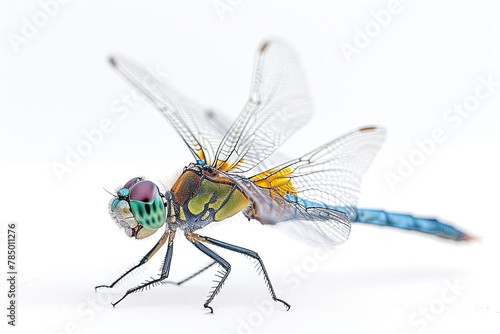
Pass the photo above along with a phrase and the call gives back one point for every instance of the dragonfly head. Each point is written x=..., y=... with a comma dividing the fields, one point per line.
x=138, y=208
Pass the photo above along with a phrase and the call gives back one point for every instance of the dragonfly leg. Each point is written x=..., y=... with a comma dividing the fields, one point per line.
x=253, y=255
x=145, y=259
x=163, y=275
x=191, y=276
x=197, y=240
x=222, y=275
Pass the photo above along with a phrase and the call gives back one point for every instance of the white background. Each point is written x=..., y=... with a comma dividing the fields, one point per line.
x=57, y=85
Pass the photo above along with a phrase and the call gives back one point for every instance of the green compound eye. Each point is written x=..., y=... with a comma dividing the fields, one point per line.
x=146, y=205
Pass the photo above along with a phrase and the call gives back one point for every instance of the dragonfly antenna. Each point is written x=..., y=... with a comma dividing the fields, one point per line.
x=108, y=191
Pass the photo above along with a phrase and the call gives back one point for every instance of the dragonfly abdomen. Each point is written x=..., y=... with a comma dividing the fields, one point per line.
x=392, y=219
x=409, y=222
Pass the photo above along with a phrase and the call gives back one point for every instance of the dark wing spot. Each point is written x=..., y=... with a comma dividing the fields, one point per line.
x=264, y=46
x=368, y=128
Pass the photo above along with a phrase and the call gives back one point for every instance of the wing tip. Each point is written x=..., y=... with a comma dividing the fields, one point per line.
x=210, y=114
x=370, y=128
x=264, y=46
x=373, y=129
x=112, y=61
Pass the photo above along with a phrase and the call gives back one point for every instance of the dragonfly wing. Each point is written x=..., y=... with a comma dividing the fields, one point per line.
x=329, y=227
x=317, y=194
x=188, y=118
x=277, y=106
x=221, y=124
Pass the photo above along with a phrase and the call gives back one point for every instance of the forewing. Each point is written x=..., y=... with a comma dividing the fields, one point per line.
x=187, y=117
x=221, y=124
x=323, y=186
x=278, y=105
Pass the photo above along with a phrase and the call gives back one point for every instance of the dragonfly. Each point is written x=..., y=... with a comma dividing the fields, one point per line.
x=314, y=195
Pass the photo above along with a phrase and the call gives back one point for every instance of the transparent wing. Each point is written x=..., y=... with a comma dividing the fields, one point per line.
x=277, y=106
x=221, y=125
x=189, y=119
x=317, y=194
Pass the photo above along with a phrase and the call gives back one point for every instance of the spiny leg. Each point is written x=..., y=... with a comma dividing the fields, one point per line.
x=145, y=259
x=253, y=255
x=191, y=276
x=222, y=275
x=164, y=271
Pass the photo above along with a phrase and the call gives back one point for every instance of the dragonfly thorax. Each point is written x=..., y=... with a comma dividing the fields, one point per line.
x=202, y=195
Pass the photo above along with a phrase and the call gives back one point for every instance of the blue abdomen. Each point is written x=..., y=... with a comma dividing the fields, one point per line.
x=409, y=222
x=392, y=219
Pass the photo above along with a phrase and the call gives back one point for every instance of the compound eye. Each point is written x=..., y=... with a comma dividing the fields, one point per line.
x=147, y=205
x=132, y=181
x=144, y=191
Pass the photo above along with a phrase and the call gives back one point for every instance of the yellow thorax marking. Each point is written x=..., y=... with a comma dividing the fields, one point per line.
x=182, y=215
x=205, y=215
x=277, y=180
x=226, y=165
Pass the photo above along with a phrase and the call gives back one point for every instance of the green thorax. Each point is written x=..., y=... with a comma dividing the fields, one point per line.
x=203, y=195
